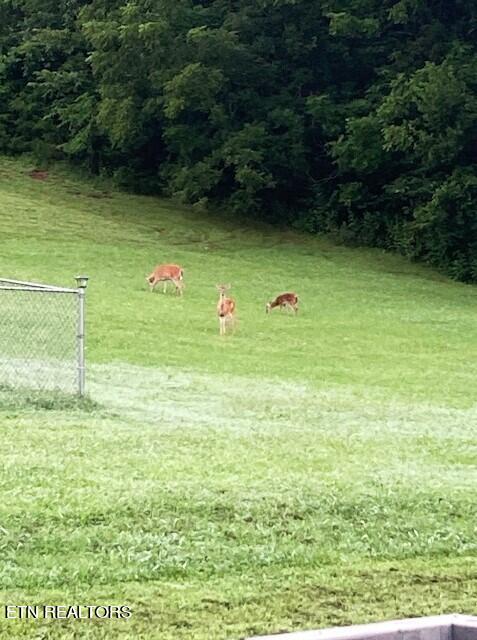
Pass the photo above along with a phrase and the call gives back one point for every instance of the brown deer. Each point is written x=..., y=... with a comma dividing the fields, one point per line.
x=225, y=308
x=284, y=301
x=167, y=273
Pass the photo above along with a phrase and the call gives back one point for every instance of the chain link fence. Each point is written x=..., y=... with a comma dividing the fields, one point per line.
x=42, y=336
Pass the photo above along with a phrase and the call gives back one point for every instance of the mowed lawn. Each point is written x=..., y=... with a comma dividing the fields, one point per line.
x=303, y=472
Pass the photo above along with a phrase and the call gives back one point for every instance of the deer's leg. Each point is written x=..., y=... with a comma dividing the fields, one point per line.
x=164, y=286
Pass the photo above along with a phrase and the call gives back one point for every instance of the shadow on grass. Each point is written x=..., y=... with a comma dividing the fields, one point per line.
x=44, y=400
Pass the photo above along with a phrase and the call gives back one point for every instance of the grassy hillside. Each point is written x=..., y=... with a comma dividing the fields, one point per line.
x=301, y=472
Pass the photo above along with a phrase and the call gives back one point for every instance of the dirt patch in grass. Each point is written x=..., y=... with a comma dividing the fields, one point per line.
x=38, y=174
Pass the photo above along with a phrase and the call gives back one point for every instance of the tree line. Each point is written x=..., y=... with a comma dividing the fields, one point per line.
x=351, y=117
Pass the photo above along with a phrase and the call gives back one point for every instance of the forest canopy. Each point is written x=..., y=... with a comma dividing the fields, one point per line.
x=351, y=117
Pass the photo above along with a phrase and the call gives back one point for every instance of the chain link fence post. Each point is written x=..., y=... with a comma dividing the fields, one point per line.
x=82, y=283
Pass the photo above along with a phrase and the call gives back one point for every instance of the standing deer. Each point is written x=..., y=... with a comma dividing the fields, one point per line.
x=167, y=273
x=284, y=301
x=225, y=308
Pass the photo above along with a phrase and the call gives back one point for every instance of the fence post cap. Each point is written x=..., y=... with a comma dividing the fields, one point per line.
x=82, y=281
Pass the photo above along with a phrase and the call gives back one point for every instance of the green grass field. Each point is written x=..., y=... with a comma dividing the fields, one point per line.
x=303, y=472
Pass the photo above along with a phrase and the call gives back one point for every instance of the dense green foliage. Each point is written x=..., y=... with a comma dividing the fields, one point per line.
x=357, y=117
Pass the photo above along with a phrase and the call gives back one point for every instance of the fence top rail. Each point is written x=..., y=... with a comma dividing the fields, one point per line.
x=21, y=285
x=38, y=289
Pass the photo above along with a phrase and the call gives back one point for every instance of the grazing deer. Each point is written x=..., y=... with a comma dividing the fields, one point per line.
x=284, y=301
x=167, y=273
x=225, y=308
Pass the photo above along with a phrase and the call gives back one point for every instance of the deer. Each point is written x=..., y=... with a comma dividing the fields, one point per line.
x=167, y=273
x=225, y=308
x=284, y=301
